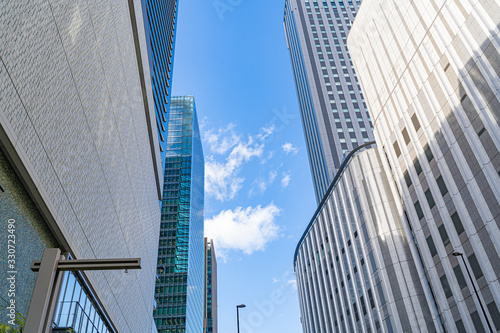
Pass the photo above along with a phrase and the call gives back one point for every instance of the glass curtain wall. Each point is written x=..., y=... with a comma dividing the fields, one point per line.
x=179, y=289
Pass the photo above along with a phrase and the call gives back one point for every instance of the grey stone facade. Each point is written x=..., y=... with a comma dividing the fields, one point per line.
x=77, y=124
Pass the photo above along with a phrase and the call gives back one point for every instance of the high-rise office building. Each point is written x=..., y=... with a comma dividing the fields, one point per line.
x=430, y=71
x=210, y=294
x=333, y=111
x=160, y=19
x=80, y=160
x=179, y=288
x=354, y=265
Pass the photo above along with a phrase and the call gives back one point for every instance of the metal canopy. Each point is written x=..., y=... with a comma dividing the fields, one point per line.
x=48, y=281
x=92, y=264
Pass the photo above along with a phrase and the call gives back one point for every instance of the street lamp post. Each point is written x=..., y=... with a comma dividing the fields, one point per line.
x=461, y=255
x=238, y=315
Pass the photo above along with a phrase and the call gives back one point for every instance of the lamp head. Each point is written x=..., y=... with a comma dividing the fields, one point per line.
x=241, y=306
x=457, y=254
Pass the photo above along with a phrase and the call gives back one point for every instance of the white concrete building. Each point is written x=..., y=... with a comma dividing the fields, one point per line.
x=354, y=264
x=430, y=73
x=80, y=157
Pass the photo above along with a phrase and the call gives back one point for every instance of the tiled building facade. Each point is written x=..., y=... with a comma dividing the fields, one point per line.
x=430, y=72
x=333, y=111
x=77, y=127
x=354, y=265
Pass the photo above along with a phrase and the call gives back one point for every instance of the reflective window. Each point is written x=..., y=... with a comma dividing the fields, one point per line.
x=446, y=286
x=476, y=268
x=476, y=320
x=442, y=186
x=432, y=246
x=418, y=209
x=493, y=309
x=77, y=310
x=444, y=235
x=460, y=276
x=457, y=223
x=430, y=198
x=428, y=153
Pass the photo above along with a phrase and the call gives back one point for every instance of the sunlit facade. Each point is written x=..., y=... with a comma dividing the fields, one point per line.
x=334, y=115
x=179, y=289
x=430, y=71
x=354, y=265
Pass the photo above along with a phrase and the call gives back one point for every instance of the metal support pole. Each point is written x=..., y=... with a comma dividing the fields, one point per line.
x=40, y=300
x=55, y=297
x=238, y=318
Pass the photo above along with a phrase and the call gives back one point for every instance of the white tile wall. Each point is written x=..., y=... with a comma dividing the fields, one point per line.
x=72, y=108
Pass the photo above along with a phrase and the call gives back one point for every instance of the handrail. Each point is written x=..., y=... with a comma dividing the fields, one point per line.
x=73, y=312
x=328, y=192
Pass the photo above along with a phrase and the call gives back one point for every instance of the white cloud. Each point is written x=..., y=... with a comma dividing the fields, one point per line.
x=203, y=123
x=292, y=283
x=222, y=178
x=286, y=280
x=243, y=229
x=285, y=179
x=265, y=132
x=222, y=140
x=260, y=185
x=290, y=148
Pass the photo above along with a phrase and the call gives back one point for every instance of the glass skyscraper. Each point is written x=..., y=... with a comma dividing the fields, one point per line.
x=332, y=107
x=160, y=24
x=179, y=288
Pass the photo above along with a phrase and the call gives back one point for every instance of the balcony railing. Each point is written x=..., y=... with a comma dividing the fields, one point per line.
x=73, y=318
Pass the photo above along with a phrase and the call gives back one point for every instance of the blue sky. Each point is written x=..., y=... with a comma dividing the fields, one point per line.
x=232, y=56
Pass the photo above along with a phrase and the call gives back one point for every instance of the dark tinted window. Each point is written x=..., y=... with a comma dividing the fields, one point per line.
x=476, y=268
x=477, y=322
x=460, y=276
x=432, y=246
x=418, y=209
x=415, y=122
x=493, y=309
x=407, y=179
x=446, y=286
x=444, y=235
x=396, y=149
x=406, y=136
x=442, y=185
x=428, y=153
x=430, y=198
x=460, y=326
x=457, y=223
x=418, y=168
